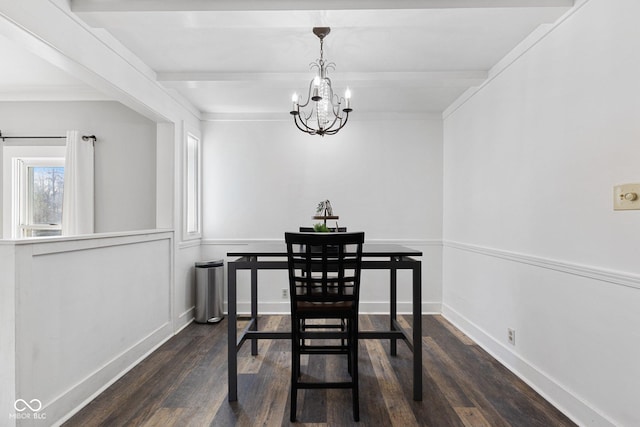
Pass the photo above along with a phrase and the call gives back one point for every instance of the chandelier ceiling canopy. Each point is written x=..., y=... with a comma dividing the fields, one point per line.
x=323, y=112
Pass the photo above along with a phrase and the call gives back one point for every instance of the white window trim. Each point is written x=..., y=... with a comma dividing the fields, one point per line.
x=192, y=160
x=20, y=208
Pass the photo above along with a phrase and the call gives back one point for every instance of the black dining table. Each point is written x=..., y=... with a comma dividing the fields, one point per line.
x=376, y=256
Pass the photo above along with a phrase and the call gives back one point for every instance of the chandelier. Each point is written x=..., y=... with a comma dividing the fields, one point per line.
x=329, y=112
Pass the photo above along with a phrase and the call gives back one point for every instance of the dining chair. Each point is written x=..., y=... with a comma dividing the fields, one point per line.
x=341, y=325
x=324, y=283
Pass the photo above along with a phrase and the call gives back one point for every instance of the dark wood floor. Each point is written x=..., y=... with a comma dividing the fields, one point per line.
x=184, y=383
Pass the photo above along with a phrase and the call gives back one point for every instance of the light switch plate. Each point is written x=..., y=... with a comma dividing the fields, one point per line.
x=626, y=197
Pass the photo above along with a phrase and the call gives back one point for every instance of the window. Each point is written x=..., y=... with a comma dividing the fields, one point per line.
x=38, y=196
x=192, y=191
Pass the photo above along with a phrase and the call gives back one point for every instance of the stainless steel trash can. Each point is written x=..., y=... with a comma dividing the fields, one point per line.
x=209, y=291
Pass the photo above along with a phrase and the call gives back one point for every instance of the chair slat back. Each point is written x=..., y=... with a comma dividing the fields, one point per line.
x=324, y=267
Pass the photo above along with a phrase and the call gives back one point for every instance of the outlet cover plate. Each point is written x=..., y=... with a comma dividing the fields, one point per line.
x=621, y=200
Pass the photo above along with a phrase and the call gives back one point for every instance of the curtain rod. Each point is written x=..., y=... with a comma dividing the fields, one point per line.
x=84, y=137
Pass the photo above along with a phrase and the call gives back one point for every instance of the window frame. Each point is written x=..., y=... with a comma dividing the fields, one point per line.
x=192, y=187
x=22, y=187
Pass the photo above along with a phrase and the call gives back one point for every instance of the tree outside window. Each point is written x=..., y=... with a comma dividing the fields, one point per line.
x=44, y=203
x=38, y=189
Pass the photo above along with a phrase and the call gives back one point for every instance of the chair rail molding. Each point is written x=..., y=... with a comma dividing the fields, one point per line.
x=601, y=274
x=406, y=242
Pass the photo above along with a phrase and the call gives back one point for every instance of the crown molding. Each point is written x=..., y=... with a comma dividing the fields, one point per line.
x=284, y=116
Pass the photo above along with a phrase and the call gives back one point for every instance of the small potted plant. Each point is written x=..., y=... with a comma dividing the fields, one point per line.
x=320, y=228
x=324, y=211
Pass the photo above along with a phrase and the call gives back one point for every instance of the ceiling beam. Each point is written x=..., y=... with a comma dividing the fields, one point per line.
x=427, y=78
x=51, y=93
x=259, y=5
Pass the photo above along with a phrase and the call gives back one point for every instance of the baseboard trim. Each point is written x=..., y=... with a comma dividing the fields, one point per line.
x=184, y=320
x=105, y=376
x=571, y=405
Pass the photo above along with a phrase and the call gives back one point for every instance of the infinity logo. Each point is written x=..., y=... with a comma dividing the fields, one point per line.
x=21, y=405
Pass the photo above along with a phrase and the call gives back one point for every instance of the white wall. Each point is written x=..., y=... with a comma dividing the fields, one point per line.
x=531, y=240
x=92, y=307
x=382, y=177
x=7, y=326
x=125, y=154
x=262, y=178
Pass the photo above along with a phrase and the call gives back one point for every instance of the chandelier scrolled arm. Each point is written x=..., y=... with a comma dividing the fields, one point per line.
x=301, y=124
x=326, y=115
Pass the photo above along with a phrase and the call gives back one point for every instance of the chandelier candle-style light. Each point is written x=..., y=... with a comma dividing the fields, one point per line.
x=329, y=112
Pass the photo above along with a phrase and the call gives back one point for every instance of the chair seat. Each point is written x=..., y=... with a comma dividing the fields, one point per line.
x=325, y=307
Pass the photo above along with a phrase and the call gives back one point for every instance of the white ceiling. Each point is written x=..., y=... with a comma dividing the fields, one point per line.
x=250, y=56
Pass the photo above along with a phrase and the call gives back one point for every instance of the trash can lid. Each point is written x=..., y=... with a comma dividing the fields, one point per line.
x=206, y=264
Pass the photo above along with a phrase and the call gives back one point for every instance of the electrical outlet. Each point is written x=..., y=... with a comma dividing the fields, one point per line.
x=511, y=336
x=285, y=293
x=625, y=197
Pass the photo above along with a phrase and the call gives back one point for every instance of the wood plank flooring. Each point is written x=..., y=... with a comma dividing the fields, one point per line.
x=184, y=383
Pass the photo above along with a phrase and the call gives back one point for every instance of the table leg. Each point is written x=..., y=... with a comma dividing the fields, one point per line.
x=232, y=331
x=393, y=310
x=417, y=331
x=254, y=308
